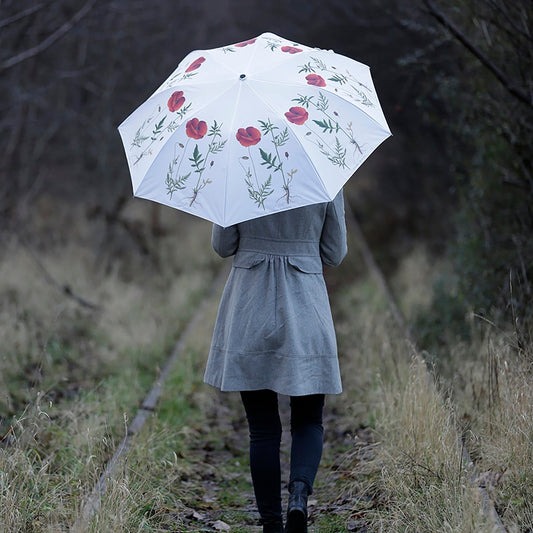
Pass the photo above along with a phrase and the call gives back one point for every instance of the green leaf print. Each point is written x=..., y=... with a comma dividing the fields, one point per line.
x=269, y=160
x=197, y=159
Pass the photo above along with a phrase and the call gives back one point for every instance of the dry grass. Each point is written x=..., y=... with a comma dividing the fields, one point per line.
x=71, y=378
x=148, y=490
x=145, y=493
x=416, y=479
x=494, y=394
x=48, y=338
x=489, y=382
x=422, y=476
x=54, y=453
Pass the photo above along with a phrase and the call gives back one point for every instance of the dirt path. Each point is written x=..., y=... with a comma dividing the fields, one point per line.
x=216, y=493
x=188, y=469
x=219, y=491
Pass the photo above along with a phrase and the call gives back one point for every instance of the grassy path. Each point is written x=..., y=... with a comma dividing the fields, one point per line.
x=391, y=458
x=191, y=461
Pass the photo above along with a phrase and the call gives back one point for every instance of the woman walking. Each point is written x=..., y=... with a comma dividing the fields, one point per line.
x=274, y=335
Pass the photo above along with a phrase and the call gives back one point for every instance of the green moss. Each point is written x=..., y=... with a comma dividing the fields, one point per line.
x=330, y=523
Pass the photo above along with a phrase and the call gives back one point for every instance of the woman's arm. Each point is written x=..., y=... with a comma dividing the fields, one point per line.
x=225, y=241
x=333, y=246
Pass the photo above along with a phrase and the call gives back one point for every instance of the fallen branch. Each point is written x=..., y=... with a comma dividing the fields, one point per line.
x=469, y=45
x=63, y=288
x=50, y=40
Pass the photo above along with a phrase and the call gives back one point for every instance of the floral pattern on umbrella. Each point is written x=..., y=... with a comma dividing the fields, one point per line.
x=291, y=49
x=322, y=124
x=155, y=129
x=258, y=192
x=245, y=43
x=346, y=81
x=181, y=75
x=197, y=161
x=196, y=64
x=329, y=124
x=271, y=43
x=271, y=159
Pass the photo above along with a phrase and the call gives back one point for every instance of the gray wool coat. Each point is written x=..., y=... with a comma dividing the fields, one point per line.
x=274, y=328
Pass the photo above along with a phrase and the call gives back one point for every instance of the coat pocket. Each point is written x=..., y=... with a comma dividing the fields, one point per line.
x=306, y=264
x=247, y=259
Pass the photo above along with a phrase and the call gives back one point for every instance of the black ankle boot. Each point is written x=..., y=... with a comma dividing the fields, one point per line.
x=297, y=511
x=273, y=527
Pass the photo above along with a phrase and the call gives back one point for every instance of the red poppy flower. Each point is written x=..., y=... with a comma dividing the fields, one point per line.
x=248, y=136
x=315, y=79
x=297, y=115
x=175, y=101
x=291, y=49
x=195, y=128
x=246, y=43
x=197, y=63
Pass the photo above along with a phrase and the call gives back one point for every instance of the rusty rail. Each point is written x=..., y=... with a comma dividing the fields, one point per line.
x=487, y=505
x=93, y=501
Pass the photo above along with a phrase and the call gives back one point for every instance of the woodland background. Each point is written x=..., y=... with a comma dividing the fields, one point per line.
x=96, y=287
x=455, y=83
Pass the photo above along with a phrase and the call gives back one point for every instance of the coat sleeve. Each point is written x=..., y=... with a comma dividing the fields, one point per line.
x=333, y=245
x=225, y=241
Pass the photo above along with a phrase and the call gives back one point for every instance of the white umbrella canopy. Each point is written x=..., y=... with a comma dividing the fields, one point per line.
x=253, y=128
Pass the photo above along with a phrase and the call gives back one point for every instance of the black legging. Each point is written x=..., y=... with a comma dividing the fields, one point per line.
x=265, y=435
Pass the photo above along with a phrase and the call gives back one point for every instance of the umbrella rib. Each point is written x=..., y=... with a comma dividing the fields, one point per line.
x=231, y=129
x=193, y=82
x=232, y=124
x=311, y=163
x=335, y=95
x=252, y=58
x=373, y=119
x=176, y=131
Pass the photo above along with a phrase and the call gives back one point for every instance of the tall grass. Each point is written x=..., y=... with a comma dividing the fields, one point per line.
x=423, y=477
x=52, y=454
x=485, y=385
x=415, y=480
x=71, y=378
x=480, y=387
x=494, y=394
x=52, y=344
x=153, y=484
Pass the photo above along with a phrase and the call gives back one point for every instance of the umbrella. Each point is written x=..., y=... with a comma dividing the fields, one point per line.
x=253, y=128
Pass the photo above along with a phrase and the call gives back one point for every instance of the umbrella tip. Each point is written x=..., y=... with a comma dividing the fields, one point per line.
x=242, y=76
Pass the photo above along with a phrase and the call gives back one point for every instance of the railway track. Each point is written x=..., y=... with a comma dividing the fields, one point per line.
x=487, y=505
x=92, y=502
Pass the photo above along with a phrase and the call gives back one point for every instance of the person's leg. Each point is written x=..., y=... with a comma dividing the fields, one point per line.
x=307, y=438
x=265, y=436
x=306, y=451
